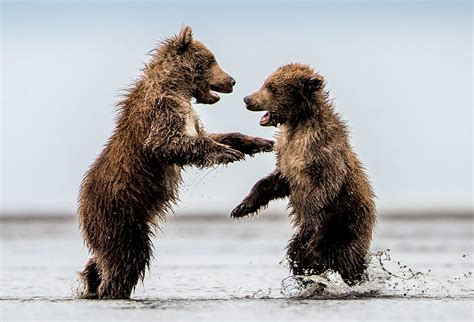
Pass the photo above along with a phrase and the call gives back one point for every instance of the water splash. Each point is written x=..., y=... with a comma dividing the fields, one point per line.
x=384, y=278
x=260, y=294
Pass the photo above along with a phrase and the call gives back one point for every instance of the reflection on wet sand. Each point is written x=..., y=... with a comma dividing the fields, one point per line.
x=210, y=266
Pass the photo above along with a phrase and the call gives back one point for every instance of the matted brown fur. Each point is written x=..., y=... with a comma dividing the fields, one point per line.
x=132, y=183
x=331, y=200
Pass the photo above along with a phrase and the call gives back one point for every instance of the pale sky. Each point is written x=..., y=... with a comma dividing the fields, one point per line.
x=400, y=75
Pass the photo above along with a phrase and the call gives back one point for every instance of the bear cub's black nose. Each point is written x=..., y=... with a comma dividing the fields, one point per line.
x=247, y=100
x=232, y=81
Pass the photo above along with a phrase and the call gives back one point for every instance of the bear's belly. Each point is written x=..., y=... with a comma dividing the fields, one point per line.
x=169, y=181
x=293, y=168
x=172, y=178
x=165, y=190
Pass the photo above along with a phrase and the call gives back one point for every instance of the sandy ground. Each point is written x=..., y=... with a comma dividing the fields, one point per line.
x=211, y=268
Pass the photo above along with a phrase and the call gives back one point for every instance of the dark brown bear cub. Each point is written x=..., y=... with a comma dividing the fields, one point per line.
x=135, y=179
x=330, y=196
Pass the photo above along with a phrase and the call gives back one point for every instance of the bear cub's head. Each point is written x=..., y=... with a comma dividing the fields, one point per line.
x=287, y=95
x=204, y=76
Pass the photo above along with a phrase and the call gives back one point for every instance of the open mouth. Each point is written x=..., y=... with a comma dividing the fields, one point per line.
x=214, y=94
x=266, y=119
x=211, y=96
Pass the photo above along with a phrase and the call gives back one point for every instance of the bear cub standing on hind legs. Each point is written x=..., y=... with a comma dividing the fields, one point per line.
x=135, y=179
x=330, y=196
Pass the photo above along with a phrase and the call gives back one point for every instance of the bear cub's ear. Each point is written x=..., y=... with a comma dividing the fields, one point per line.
x=184, y=38
x=314, y=83
x=311, y=85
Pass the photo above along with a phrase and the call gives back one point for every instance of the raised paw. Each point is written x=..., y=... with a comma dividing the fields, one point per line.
x=242, y=210
x=262, y=145
x=229, y=155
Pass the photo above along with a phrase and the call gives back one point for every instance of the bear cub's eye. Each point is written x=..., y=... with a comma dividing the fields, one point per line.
x=271, y=88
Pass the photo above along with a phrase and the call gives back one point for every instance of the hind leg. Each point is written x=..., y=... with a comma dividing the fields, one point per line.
x=119, y=286
x=350, y=261
x=309, y=254
x=90, y=279
x=124, y=262
x=121, y=276
x=303, y=254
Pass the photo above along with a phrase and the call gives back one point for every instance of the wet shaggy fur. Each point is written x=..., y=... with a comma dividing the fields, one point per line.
x=330, y=196
x=134, y=181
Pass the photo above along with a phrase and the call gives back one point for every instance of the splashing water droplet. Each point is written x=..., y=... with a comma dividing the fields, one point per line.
x=384, y=278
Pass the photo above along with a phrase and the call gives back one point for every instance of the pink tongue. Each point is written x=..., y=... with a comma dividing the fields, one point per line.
x=265, y=119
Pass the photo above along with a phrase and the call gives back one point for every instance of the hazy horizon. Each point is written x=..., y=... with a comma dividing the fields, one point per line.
x=400, y=75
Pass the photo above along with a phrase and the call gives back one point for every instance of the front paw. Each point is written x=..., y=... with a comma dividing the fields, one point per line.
x=242, y=210
x=263, y=145
x=252, y=145
x=228, y=156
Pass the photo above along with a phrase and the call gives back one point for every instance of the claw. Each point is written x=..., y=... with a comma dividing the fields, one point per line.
x=240, y=211
x=266, y=145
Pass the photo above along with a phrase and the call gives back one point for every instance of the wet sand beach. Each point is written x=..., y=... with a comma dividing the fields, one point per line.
x=212, y=268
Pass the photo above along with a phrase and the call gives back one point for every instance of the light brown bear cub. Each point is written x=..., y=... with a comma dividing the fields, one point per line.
x=135, y=179
x=330, y=196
